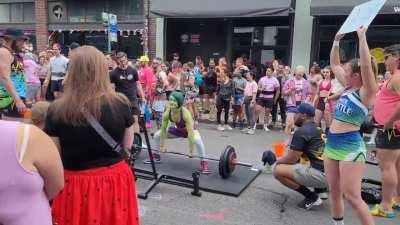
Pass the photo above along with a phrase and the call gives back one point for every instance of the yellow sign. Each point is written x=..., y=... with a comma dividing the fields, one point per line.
x=378, y=54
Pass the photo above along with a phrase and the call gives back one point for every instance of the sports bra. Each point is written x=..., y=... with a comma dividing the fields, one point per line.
x=350, y=109
x=326, y=87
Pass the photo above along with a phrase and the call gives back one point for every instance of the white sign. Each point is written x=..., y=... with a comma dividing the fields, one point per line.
x=112, y=19
x=362, y=15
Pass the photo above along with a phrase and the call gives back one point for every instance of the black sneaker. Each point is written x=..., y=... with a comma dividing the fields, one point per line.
x=156, y=158
x=308, y=203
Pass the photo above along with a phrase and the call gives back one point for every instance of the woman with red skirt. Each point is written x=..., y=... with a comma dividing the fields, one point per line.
x=99, y=184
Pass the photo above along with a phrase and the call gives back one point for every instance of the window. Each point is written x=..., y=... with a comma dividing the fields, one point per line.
x=4, y=13
x=29, y=12
x=17, y=13
x=76, y=11
x=125, y=9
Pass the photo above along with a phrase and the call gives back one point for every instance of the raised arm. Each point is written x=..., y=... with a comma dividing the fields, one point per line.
x=336, y=67
x=163, y=129
x=370, y=86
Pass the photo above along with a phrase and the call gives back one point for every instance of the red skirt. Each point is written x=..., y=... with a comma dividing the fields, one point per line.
x=100, y=196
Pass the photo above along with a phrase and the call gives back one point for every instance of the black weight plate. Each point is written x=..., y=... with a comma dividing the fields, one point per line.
x=137, y=146
x=226, y=167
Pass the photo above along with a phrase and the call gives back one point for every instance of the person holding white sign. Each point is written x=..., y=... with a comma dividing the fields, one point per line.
x=345, y=150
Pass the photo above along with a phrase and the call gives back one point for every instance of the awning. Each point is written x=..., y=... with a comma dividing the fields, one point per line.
x=93, y=26
x=344, y=7
x=219, y=8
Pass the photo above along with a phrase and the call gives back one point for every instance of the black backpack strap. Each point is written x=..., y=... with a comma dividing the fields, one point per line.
x=104, y=134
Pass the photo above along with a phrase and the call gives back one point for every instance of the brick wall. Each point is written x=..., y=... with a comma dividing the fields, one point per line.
x=150, y=45
x=152, y=37
x=41, y=24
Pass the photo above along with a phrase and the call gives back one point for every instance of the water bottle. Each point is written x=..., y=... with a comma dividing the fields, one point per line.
x=147, y=116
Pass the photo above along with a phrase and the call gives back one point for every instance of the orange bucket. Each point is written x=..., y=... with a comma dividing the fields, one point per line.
x=27, y=114
x=279, y=149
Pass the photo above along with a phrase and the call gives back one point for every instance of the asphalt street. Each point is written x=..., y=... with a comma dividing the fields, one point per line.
x=264, y=202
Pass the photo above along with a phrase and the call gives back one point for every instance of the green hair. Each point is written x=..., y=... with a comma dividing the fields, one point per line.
x=178, y=96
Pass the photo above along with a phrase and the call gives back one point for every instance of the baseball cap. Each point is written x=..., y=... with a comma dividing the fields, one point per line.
x=144, y=58
x=305, y=108
x=16, y=34
x=74, y=45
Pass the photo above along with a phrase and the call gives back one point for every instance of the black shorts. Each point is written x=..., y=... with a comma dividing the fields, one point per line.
x=388, y=139
x=56, y=86
x=209, y=89
x=135, y=109
x=321, y=104
x=265, y=102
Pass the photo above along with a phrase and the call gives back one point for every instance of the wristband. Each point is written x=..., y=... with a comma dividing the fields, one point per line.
x=336, y=43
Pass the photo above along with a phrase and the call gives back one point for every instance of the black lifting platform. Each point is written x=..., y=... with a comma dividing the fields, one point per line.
x=157, y=178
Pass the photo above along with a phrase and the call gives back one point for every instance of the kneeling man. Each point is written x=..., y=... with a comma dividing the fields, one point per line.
x=306, y=142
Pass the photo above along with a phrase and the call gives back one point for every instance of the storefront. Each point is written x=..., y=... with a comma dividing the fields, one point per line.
x=80, y=21
x=330, y=15
x=259, y=29
x=18, y=14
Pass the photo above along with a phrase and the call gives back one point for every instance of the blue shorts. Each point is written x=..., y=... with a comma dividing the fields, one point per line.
x=347, y=146
x=238, y=99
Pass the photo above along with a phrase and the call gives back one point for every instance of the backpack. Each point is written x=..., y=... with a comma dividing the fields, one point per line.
x=198, y=78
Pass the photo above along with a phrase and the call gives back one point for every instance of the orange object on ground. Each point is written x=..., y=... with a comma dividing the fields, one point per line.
x=27, y=114
x=279, y=149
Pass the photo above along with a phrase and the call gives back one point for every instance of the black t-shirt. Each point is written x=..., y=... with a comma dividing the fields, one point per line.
x=125, y=82
x=81, y=147
x=307, y=139
x=211, y=79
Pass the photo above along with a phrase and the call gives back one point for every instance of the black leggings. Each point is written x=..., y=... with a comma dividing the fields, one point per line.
x=222, y=105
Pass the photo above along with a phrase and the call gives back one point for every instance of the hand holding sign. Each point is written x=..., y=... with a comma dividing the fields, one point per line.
x=362, y=15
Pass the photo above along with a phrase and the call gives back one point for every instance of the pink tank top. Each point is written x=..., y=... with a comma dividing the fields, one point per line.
x=22, y=197
x=385, y=104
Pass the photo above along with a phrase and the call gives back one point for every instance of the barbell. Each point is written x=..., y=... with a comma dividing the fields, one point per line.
x=227, y=161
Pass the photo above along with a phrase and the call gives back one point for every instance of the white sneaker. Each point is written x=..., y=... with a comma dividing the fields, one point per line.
x=266, y=128
x=227, y=127
x=220, y=127
x=245, y=130
x=323, y=195
x=250, y=131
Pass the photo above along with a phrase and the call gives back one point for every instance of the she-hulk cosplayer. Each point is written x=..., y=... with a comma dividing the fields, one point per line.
x=177, y=122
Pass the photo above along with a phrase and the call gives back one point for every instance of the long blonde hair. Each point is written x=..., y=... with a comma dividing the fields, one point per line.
x=87, y=87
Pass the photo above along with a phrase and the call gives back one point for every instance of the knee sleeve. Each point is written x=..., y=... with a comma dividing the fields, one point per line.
x=157, y=139
x=199, y=145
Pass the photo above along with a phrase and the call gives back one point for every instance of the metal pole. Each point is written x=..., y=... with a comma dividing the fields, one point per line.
x=109, y=33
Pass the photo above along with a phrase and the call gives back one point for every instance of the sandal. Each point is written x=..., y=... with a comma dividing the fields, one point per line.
x=378, y=211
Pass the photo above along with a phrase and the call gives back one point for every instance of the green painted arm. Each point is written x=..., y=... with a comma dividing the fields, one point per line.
x=163, y=129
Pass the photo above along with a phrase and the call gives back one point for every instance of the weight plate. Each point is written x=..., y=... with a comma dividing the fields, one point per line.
x=227, y=162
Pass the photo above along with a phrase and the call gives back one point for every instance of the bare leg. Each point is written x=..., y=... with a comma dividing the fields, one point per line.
x=332, y=172
x=350, y=181
x=318, y=117
x=387, y=163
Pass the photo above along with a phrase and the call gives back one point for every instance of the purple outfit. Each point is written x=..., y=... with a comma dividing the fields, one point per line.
x=179, y=129
x=22, y=197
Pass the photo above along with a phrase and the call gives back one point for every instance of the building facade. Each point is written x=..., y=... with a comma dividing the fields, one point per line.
x=260, y=30
x=67, y=21
x=298, y=32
